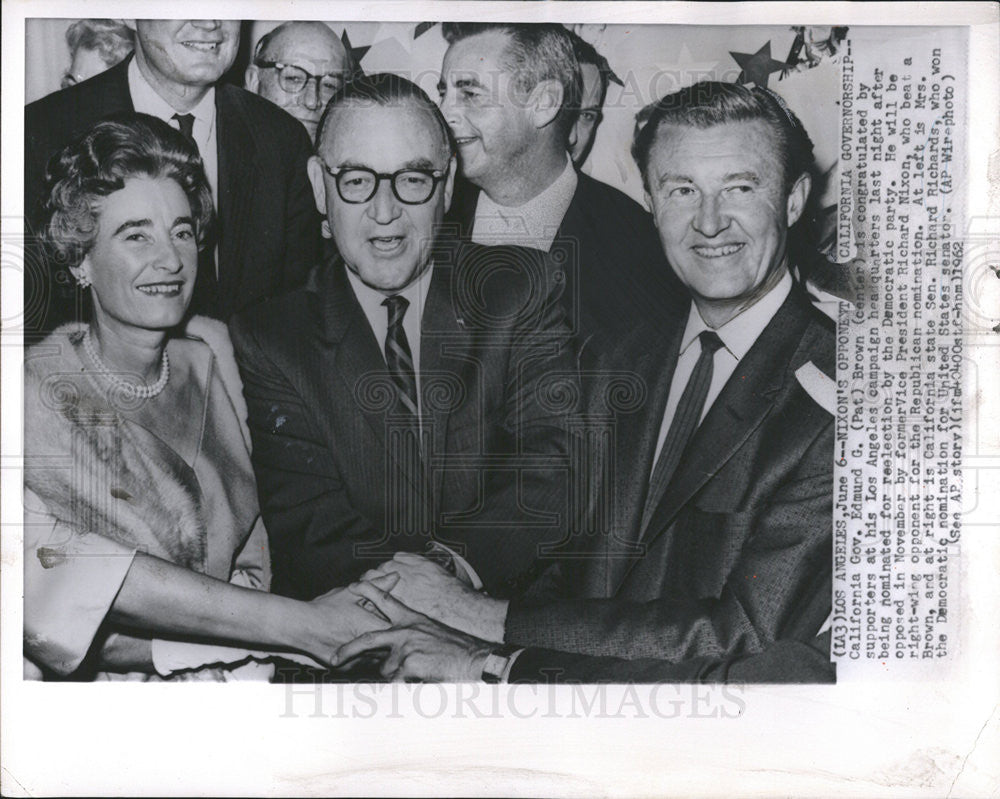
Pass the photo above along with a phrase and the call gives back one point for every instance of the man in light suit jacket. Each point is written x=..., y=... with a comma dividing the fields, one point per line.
x=710, y=555
x=511, y=94
x=400, y=396
x=255, y=157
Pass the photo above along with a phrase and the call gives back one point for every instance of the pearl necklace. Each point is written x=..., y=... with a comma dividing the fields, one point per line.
x=140, y=392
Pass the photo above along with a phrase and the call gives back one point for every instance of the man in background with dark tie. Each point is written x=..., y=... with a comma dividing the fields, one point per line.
x=709, y=557
x=399, y=398
x=254, y=156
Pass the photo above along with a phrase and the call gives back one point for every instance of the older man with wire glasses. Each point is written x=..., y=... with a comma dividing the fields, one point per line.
x=299, y=66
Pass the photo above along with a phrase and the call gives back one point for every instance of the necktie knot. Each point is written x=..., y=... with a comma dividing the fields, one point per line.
x=710, y=341
x=397, y=306
x=186, y=123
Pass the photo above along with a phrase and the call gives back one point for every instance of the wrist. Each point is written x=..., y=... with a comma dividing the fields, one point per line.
x=296, y=623
x=492, y=618
x=476, y=664
x=478, y=615
x=498, y=662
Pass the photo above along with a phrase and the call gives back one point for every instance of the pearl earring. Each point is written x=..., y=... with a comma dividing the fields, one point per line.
x=83, y=281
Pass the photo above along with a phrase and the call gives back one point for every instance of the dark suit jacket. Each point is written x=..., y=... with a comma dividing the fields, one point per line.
x=267, y=225
x=608, y=255
x=736, y=554
x=330, y=483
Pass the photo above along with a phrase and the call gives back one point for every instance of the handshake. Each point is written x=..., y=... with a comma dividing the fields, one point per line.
x=421, y=616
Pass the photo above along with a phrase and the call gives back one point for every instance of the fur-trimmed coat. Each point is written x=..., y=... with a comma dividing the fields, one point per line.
x=103, y=481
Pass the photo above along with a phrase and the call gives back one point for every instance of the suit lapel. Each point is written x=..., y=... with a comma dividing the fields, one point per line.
x=350, y=350
x=237, y=179
x=744, y=403
x=443, y=342
x=352, y=356
x=119, y=98
x=574, y=222
x=635, y=445
x=461, y=216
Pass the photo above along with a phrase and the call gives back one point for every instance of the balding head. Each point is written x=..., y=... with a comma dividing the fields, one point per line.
x=314, y=64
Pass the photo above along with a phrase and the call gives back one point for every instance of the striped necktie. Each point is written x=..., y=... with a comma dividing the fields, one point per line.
x=398, y=357
x=408, y=505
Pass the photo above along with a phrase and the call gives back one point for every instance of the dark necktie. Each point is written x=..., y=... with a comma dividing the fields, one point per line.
x=206, y=286
x=398, y=357
x=686, y=419
x=186, y=123
x=407, y=492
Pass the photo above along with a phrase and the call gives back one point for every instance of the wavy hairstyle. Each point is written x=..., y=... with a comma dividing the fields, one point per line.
x=710, y=103
x=111, y=38
x=535, y=52
x=100, y=162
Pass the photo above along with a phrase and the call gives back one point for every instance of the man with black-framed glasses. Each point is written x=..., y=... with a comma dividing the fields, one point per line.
x=416, y=391
x=299, y=66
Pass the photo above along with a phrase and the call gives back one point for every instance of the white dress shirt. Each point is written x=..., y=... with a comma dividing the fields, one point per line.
x=534, y=223
x=738, y=336
x=378, y=316
x=147, y=101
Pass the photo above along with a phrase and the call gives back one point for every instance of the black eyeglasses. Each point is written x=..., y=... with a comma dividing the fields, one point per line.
x=358, y=184
x=293, y=79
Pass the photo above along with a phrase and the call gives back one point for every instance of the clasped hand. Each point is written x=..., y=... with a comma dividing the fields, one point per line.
x=427, y=588
x=340, y=616
x=419, y=648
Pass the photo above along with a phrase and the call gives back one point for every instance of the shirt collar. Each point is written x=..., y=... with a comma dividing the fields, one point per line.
x=371, y=299
x=739, y=333
x=540, y=216
x=145, y=100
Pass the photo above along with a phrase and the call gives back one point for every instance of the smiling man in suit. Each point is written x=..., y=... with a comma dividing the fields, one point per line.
x=511, y=94
x=716, y=563
x=399, y=397
x=255, y=157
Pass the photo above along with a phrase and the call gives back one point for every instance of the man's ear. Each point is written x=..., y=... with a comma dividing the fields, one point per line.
x=449, y=183
x=314, y=168
x=544, y=102
x=251, y=78
x=797, y=198
x=648, y=200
